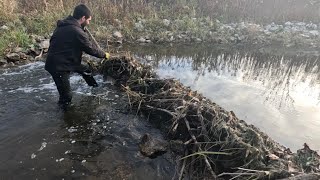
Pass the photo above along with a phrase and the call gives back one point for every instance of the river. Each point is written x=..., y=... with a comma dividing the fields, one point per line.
x=276, y=90
x=97, y=138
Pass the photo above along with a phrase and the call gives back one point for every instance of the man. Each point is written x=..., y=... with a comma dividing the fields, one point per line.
x=67, y=43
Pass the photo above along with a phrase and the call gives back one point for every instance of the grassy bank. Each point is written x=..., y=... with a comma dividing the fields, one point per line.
x=196, y=17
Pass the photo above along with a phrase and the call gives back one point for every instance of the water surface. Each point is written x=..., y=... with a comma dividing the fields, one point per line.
x=277, y=91
x=94, y=139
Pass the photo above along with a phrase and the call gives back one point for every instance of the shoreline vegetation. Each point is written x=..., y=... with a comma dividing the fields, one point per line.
x=25, y=26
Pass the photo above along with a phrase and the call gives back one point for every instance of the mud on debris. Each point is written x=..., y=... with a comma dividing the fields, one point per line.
x=216, y=144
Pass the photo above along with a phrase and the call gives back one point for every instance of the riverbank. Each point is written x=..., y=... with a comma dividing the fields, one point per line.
x=22, y=27
x=37, y=51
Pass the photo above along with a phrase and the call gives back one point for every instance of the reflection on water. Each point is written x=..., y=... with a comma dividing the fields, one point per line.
x=279, y=93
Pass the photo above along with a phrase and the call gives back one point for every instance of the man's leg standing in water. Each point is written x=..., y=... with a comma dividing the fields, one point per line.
x=62, y=82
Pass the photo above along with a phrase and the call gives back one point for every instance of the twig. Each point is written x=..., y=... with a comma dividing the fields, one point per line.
x=203, y=153
x=182, y=169
x=188, y=142
x=193, y=159
x=205, y=157
x=139, y=107
x=236, y=177
x=252, y=170
x=163, y=110
x=245, y=174
x=203, y=127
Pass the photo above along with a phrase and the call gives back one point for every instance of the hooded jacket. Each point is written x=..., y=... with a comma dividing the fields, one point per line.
x=67, y=43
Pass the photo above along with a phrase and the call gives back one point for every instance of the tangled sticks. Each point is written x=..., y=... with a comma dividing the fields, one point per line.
x=216, y=144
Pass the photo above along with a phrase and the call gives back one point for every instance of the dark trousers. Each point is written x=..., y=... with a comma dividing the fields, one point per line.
x=62, y=81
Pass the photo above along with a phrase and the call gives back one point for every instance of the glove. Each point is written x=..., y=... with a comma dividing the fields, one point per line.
x=107, y=56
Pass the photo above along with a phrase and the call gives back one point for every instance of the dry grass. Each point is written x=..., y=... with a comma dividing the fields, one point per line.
x=40, y=16
x=228, y=10
x=7, y=8
x=262, y=10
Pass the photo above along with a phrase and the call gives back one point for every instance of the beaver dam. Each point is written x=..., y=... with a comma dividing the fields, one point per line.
x=209, y=141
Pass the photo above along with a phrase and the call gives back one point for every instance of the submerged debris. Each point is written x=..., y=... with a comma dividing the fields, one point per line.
x=152, y=147
x=217, y=143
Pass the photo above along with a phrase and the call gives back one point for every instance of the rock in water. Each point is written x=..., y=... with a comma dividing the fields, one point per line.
x=44, y=44
x=13, y=57
x=151, y=147
x=3, y=62
x=18, y=50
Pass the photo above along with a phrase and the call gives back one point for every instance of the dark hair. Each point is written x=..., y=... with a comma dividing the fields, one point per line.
x=80, y=11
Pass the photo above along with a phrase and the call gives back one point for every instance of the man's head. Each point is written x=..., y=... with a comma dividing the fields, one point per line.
x=83, y=14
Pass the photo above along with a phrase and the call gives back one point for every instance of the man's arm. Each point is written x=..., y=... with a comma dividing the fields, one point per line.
x=87, y=46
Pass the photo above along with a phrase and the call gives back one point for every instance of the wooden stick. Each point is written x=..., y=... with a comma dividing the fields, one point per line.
x=163, y=110
x=223, y=174
x=182, y=169
x=252, y=170
x=91, y=36
x=205, y=157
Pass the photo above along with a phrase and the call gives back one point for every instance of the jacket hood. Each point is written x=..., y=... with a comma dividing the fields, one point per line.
x=68, y=21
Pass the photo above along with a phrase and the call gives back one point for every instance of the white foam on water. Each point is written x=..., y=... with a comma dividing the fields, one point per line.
x=80, y=84
x=23, y=69
x=43, y=145
x=51, y=87
x=76, y=81
x=33, y=156
x=99, y=79
x=72, y=130
x=23, y=89
x=42, y=79
x=82, y=87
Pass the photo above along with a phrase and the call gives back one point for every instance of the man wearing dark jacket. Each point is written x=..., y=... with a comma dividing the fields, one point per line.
x=67, y=43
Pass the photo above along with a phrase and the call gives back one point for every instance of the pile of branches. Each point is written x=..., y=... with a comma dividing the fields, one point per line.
x=216, y=144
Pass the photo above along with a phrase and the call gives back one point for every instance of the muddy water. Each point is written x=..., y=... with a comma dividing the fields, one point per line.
x=94, y=139
x=277, y=91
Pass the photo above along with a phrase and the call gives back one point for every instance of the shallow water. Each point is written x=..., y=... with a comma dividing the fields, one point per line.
x=277, y=91
x=94, y=139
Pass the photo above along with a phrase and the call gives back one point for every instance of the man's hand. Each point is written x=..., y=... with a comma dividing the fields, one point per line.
x=107, y=56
